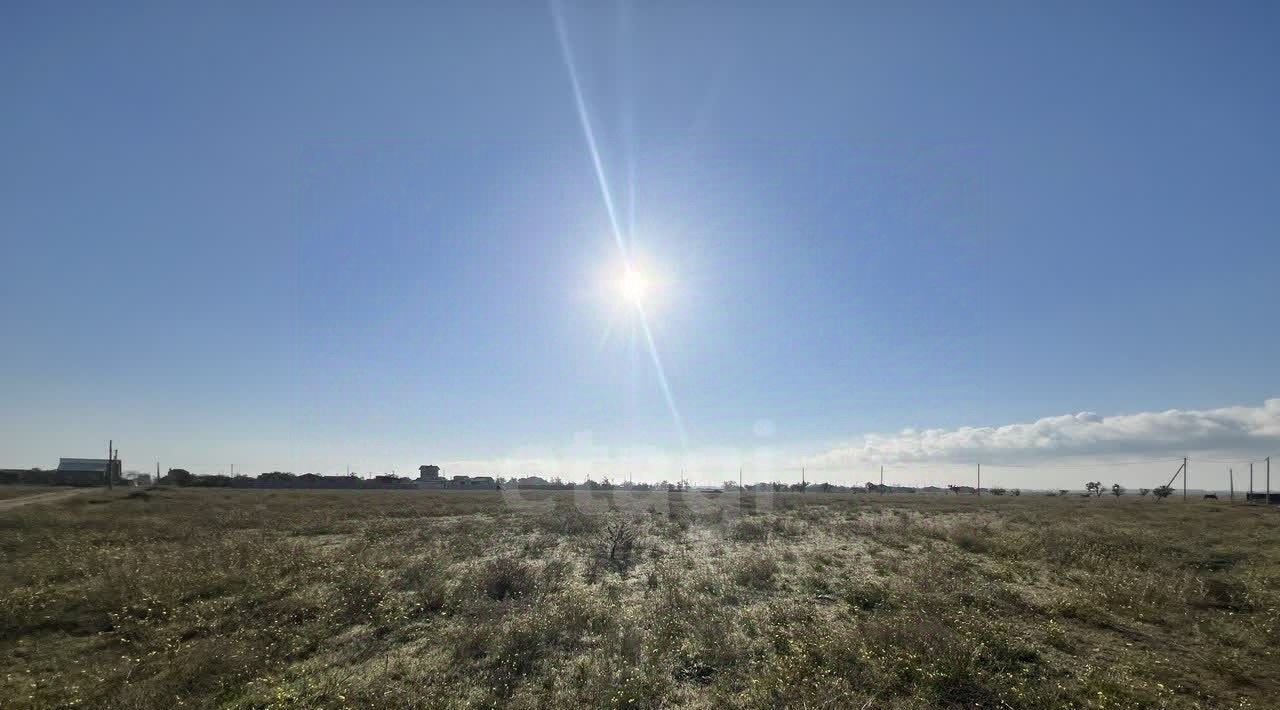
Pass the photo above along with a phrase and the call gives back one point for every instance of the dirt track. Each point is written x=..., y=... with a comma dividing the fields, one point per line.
x=39, y=498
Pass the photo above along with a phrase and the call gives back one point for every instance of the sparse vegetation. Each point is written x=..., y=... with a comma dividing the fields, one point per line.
x=215, y=598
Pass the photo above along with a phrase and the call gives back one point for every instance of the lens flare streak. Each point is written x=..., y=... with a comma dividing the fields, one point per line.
x=584, y=119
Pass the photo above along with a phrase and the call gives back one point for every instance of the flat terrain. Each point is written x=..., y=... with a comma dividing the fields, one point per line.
x=308, y=599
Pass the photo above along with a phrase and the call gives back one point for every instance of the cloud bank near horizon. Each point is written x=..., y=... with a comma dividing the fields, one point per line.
x=1238, y=432
x=1173, y=432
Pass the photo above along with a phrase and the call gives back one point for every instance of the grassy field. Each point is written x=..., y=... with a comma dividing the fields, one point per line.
x=307, y=599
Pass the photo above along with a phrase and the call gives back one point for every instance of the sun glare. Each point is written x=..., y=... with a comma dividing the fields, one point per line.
x=633, y=287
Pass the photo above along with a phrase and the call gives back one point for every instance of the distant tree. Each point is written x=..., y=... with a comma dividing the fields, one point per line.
x=179, y=476
x=605, y=484
x=1162, y=492
x=1143, y=492
x=1016, y=491
x=1063, y=491
x=998, y=491
x=1117, y=490
x=777, y=487
x=1094, y=488
x=826, y=487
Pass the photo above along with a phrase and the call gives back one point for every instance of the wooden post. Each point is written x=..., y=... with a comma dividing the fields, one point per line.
x=1184, y=479
x=110, y=457
x=1249, y=498
x=882, y=480
x=1268, y=480
x=1231, y=481
x=978, y=490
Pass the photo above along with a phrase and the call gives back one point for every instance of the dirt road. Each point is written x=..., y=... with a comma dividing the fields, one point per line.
x=40, y=498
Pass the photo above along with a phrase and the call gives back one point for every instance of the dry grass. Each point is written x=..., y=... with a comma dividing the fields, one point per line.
x=298, y=599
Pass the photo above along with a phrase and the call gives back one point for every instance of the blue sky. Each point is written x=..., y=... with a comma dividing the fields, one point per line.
x=304, y=236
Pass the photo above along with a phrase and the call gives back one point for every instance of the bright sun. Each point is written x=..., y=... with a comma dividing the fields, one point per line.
x=633, y=287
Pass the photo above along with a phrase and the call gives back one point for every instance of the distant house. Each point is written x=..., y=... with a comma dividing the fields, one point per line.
x=85, y=472
x=429, y=478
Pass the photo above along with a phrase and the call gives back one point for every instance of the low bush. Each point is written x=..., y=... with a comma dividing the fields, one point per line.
x=756, y=571
x=749, y=530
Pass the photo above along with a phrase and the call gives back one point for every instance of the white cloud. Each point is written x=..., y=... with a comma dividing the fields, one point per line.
x=1171, y=432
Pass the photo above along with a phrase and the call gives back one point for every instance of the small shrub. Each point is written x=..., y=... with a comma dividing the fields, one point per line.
x=506, y=578
x=757, y=572
x=425, y=581
x=749, y=530
x=971, y=540
x=618, y=547
x=866, y=595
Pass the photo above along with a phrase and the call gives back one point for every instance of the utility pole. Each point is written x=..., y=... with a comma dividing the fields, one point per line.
x=111, y=457
x=1268, y=480
x=1184, y=479
x=978, y=490
x=803, y=484
x=739, y=479
x=1249, y=498
x=882, y=480
x=1231, y=481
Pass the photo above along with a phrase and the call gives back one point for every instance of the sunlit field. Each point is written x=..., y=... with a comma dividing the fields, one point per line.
x=405, y=599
